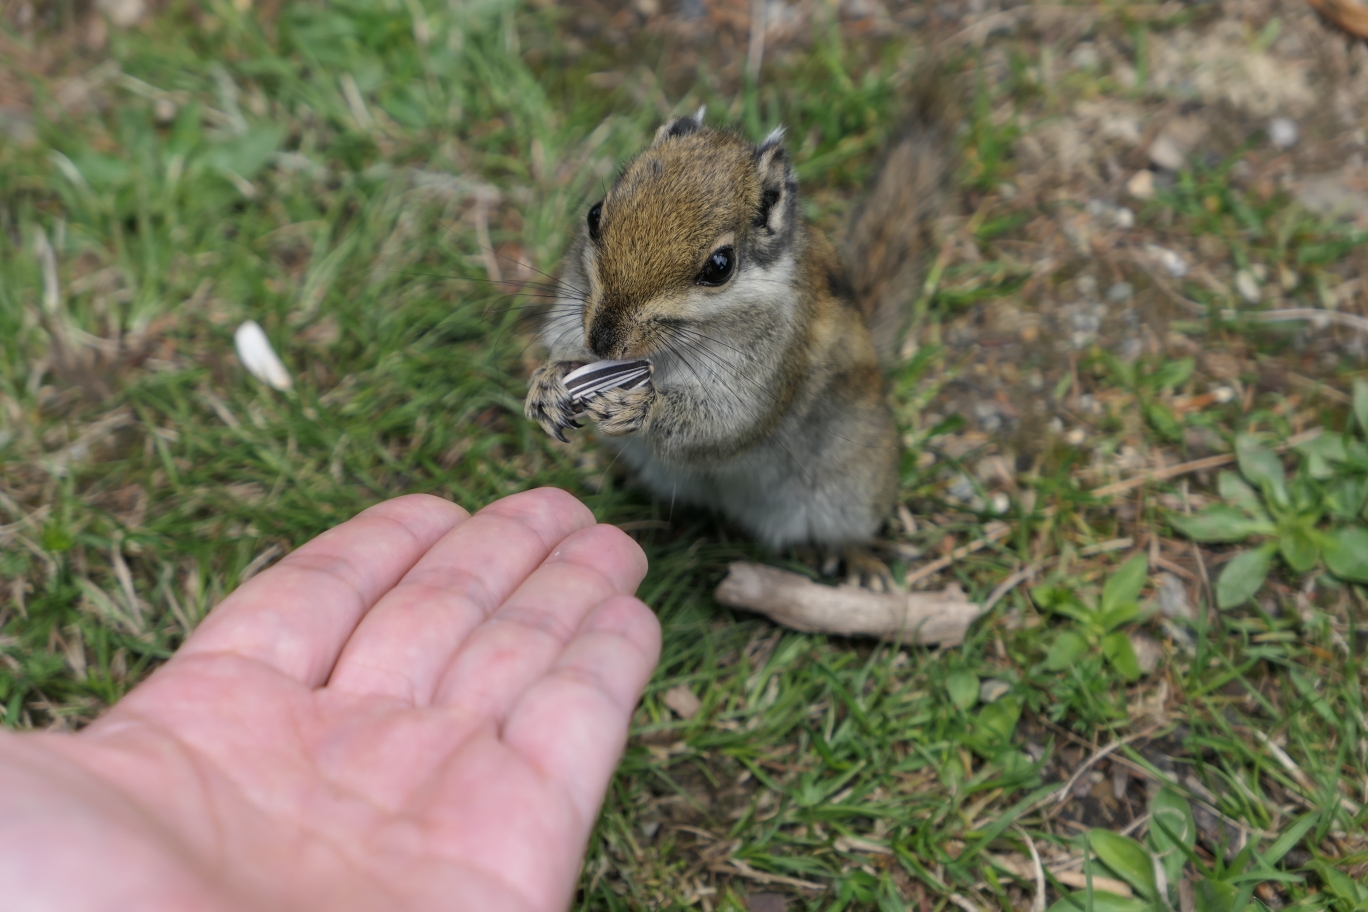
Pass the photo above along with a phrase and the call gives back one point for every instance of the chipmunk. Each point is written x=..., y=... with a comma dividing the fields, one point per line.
x=766, y=399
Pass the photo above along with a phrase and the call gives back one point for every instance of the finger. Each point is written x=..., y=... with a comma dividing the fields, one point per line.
x=521, y=640
x=572, y=724
x=297, y=615
x=405, y=642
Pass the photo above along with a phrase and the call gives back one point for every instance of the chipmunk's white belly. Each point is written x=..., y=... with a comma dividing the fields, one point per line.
x=783, y=492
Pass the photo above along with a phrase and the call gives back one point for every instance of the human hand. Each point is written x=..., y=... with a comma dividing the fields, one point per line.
x=418, y=709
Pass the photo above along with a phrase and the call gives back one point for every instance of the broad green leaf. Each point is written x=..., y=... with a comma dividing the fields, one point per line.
x=1213, y=896
x=1346, y=553
x=1346, y=497
x=1289, y=839
x=1354, y=894
x=1243, y=576
x=1262, y=467
x=1361, y=404
x=1235, y=491
x=1174, y=374
x=1118, y=650
x=1219, y=523
x=997, y=720
x=1299, y=547
x=1123, y=587
x=963, y=687
x=1162, y=419
x=1171, y=830
x=1063, y=601
x=1127, y=858
x=1068, y=648
x=1305, y=497
x=1118, y=616
x=1101, y=901
x=1328, y=444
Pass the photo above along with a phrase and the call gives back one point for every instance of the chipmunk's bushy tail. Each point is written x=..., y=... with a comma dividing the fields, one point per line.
x=890, y=246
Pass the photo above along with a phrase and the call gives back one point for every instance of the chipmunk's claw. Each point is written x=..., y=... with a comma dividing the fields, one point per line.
x=862, y=567
x=548, y=401
x=865, y=569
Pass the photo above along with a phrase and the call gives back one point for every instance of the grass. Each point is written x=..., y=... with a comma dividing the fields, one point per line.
x=363, y=178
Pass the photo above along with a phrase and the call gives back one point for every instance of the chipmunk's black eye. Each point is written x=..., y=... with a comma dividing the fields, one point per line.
x=595, y=211
x=718, y=268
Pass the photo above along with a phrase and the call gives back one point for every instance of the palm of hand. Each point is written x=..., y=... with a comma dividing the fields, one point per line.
x=416, y=710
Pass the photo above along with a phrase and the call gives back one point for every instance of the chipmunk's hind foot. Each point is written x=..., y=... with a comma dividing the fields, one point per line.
x=865, y=569
x=861, y=566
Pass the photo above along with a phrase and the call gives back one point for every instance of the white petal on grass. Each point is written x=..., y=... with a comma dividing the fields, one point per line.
x=261, y=361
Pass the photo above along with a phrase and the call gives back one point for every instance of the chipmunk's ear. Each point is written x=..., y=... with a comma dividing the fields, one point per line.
x=680, y=126
x=774, y=212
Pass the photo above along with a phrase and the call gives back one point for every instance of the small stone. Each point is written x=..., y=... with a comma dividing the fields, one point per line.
x=1121, y=292
x=1283, y=132
x=1085, y=56
x=1247, y=286
x=961, y=490
x=1222, y=394
x=164, y=110
x=123, y=13
x=1287, y=278
x=1123, y=218
x=1148, y=652
x=1000, y=503
x=1141, y=184
x=992, y=689
x=1087, y=285
x=682, y=701
x=1173, y=600
x=1176, y=141
x=1171, y=262
x=1076, y=436
x=1167, y=154
x=1055, y=425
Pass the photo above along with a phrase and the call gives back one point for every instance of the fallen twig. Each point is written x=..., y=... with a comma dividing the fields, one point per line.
x=737, y=866
x=795, y=601
x=1063, y=794
x=991, y=533
x=1034, y=870
x=1302, y=779
x=1310, y=314
x=1196, y=465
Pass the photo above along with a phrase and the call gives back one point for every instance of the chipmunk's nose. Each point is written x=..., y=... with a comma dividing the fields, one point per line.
x=605, y=335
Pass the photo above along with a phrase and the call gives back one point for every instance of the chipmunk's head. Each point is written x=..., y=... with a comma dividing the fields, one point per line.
x=699, y=227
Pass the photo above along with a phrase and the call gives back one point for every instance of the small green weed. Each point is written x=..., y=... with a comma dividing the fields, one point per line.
x=1096, y=625
x=1148, y=384
x=1156, y=868
x=1317, y=515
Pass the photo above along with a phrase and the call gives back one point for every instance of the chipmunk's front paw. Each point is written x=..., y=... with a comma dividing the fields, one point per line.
x=548, y=401
x=621, y=411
